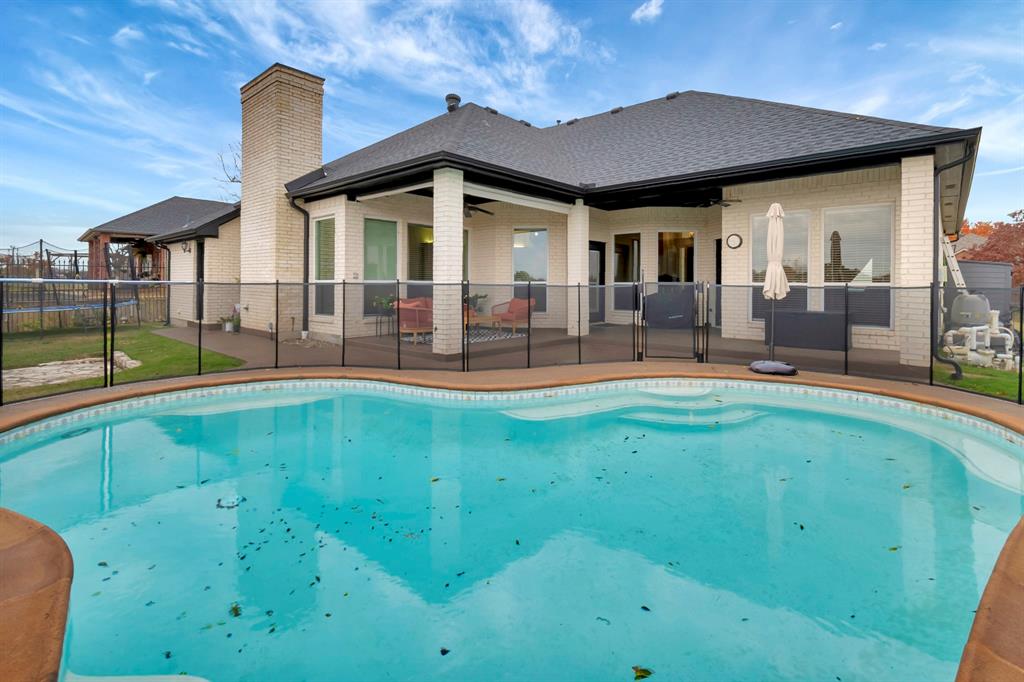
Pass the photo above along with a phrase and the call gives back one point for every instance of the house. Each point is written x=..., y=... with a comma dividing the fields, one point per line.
x=125, y=248
x=668, y=191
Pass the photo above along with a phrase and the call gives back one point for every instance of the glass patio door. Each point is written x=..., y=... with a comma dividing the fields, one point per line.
x=596, y=279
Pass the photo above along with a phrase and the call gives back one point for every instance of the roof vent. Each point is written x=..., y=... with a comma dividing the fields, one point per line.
x=525, y=123
x=672, y=95
x=616, y=110
x=491, y=110
x=569, y=123
x=452, y=101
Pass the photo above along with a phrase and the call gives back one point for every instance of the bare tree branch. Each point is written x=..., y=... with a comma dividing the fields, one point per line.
x=231, y=170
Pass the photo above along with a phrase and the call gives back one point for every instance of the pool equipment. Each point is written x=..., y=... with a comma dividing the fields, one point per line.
x=976, y=337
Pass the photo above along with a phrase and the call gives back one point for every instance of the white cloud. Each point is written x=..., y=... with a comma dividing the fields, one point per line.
x=871, y=104
x=148, y=77
x=188, y=47
x=649, y=11
x=125, y=35
x=1001, y=171
x=875, y=47
x=836, y=26
x=43, y=188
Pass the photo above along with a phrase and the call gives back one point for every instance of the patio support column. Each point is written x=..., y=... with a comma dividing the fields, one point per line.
x=578, y=267
x=448, y=207
x=915, y=245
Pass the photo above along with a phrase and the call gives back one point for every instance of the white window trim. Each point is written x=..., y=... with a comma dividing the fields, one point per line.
x=314, y=219
x=609, y=259
x=892, y=262
x=512, y=263
x=892, y=242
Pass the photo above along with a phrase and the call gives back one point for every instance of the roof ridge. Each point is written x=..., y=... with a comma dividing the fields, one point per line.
x=829, y=112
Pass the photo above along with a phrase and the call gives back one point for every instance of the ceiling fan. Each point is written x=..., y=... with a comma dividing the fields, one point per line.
x=468, y=209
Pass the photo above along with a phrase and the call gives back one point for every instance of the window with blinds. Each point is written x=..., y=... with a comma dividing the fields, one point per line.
x=324, y=266
x=796, y=226
x=858, y=245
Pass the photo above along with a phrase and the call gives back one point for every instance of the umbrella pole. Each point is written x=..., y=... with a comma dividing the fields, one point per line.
x=771, y=338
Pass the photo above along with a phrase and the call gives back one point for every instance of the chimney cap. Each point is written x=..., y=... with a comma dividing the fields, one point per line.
x=452, y=101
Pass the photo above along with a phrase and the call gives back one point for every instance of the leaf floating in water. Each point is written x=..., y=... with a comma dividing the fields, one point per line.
x=604, y=620
x=102, y=563
x=500, y=479
x=445, y=652
x=906, y=486
x=641, y=673
x=644, y=608
x=167, y=654
x=229, y=502
x=895, y=548
x=150, y=603
x=517, y=541
x=435, y=479
x=235, y=609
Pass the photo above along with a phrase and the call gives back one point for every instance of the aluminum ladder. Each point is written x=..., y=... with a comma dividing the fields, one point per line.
x=952, y=264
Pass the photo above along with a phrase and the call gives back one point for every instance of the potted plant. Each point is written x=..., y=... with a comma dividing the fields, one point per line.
x=228, y=323
x=475, y=300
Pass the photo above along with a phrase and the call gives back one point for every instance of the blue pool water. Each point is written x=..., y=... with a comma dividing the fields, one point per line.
x=346, y=533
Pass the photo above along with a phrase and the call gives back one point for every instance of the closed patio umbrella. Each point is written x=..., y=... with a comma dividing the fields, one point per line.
x=776, y=286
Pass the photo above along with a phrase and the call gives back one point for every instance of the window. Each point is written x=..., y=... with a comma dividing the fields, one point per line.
x=324, y=266
x=626, y=269
x=858, y=245
x=858, y=251
x=530, y=264
x=796, y=226
x=421, y=253
x=675, y=256
x=380, y=262
x=794, y=250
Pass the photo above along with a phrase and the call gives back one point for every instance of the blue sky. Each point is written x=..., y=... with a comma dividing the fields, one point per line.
x=105, y=108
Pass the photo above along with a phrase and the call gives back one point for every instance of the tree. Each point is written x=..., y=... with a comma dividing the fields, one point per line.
x=1005, y=244
x=231, y=170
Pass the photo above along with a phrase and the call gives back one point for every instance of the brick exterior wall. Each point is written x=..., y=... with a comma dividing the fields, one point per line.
x=221, y=268
x=448, y=207
x=905, y=187
x=282, y=138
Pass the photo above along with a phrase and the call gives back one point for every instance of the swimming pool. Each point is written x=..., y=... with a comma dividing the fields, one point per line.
x=352, y=530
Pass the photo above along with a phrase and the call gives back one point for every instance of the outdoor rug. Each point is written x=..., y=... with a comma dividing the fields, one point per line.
x=476, y=335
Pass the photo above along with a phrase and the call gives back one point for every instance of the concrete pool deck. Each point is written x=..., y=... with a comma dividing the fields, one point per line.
x=35, y=573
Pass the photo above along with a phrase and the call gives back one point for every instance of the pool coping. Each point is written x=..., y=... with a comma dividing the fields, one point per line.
x=36, y=569
x=991, y=652
x=1003, y=413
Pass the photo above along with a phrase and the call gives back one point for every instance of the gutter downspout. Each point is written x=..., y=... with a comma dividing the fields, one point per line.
x=305, y=263
x=167, y=250
x=937, y=237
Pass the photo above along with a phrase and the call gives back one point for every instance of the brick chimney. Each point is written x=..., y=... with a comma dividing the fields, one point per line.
x=282, y=138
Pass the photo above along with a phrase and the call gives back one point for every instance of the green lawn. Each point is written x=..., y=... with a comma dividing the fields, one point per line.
x=160, y=356
x=984, y=380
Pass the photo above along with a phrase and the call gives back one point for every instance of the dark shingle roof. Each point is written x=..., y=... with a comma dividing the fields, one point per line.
x=690, y=133
x=169, y=215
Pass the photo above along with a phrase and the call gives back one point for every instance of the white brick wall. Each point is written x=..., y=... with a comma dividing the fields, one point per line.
x=282, y=114
x=448, y=207
x=221, y=270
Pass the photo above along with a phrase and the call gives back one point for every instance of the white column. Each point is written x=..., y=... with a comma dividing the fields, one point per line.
x=448, y=207
x=578, y=267
x=913, y=267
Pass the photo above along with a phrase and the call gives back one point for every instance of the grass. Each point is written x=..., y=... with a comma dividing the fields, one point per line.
x=983, y=380
x=160, y=356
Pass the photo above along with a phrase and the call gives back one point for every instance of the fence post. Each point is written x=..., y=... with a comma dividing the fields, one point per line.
x=398, y=324
x=465, y=321
x=199, y=346
x=103, y=329
x=465, y=331
x=846, y=328
x=113, y=329
x=529, y=320
x=1020, y=352
x=42, y=306
x=709, y=291
x=277, y=320
x=933, y=322
x=2, y=307
x=344, y=302
x=579, y=323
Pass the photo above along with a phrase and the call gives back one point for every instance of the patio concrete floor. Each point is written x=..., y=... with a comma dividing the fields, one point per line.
x=547, y=347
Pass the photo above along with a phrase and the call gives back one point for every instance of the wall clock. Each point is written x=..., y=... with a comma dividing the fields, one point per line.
x=734, y=241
